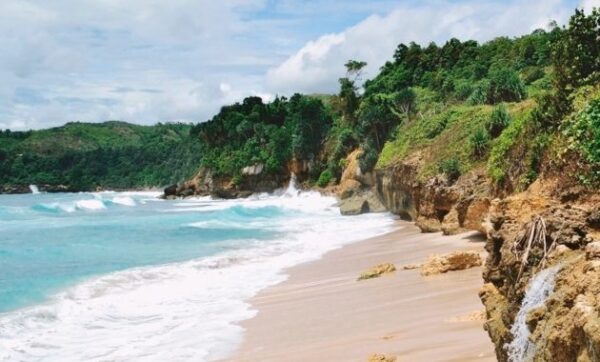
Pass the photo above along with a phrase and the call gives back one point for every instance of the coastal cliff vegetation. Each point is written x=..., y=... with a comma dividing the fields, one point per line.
x=87, y=156
x=499, y=137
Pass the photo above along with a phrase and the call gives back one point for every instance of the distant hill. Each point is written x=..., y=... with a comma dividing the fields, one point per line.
x=87, y=156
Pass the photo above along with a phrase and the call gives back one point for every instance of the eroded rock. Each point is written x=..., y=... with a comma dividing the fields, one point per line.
x=378, y=357
x=458, y=260
x=377, y=271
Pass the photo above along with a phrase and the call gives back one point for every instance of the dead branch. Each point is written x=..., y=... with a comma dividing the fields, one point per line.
x=535, y=236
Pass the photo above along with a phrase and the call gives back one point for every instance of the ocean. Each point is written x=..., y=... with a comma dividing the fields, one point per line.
x=125, y=276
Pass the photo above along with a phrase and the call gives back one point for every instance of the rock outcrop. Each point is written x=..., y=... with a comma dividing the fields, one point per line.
x=565, y=327
x=377, y=271
x=360, y=203
x=458, y=260
x=204, y=183
x=435, y=204
x=355, y=192
x=550, y=223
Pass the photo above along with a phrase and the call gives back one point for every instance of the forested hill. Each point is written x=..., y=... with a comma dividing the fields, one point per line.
x=86, y=156
x=501, y=107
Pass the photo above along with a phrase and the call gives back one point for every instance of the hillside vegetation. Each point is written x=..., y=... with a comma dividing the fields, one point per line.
x=504, y=107
x=512, y=108
x=85, y=156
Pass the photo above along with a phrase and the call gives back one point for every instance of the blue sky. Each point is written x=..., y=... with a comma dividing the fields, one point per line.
x=146, y=61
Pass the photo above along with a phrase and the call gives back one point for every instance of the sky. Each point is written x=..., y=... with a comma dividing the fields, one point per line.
x=148, y=61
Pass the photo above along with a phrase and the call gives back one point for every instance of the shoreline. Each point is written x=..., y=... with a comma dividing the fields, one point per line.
x=320, y=312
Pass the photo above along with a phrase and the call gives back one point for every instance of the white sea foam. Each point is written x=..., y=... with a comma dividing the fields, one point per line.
x=94, y=204
x=182, y=311
x=123, y=200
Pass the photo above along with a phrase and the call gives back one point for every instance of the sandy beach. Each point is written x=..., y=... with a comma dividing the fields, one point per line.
x=322, y=313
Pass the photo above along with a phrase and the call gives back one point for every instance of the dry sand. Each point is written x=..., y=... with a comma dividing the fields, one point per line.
x=322, y=313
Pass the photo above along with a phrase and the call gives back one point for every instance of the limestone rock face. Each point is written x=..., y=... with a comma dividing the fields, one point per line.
x=299, y=167
x=253, y=170
x=458, y=260
x=348, y=188
x=436, y=204
x=428, y=225
x=592, y=250
x=565, y=326
x=353, y=171
x=363, y=202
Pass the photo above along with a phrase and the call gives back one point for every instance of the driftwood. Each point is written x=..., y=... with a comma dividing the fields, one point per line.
x=535, y=236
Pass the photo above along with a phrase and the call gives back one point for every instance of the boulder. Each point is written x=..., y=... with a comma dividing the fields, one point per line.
x=428, y=224
x=170, y=191
x=458, y=260
x=354, y=206
x=360, y=203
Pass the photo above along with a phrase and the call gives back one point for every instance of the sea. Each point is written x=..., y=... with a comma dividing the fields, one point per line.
x=126, y=276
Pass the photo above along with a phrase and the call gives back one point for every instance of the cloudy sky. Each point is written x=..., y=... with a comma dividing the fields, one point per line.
x=146, y=61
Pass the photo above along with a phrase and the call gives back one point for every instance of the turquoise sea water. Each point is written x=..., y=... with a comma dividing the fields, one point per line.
x=48, y=241
x=126, y=276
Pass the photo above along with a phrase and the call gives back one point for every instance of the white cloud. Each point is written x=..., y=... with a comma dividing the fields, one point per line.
x=63, y=60
x=317, y=66
x=588, y=5
x=153, y=60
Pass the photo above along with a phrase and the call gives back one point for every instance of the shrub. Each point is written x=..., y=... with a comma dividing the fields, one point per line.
x=324, y=178
x=479, y=94
x=236, y=180
x=583, y=131
x=463, y=89
x=531, y=74
x=505, y=86
x=479, y=142
x=368, y=159
x=450, y=168
x=499, y=120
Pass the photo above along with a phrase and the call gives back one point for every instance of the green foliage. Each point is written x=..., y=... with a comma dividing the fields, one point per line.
x=500, y=161
x=83, y=156
x=499, y=120
x=451, y=168
x=583, y=132
x=531, y=74
x=325, y=178
x=479, y=142
x=480, y=93
x=368, y=158
x=481, y=73
x=505, y=86
x=576, y=56
x=404, y=100
x=253, y=132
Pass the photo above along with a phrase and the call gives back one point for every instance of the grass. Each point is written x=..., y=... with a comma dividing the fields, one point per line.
x=442, y=132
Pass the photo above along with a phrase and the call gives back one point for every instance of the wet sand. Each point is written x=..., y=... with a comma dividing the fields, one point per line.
x=322, y=313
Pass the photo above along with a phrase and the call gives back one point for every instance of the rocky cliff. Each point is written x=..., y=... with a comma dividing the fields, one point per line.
x=552, y=223
x=252, y=179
